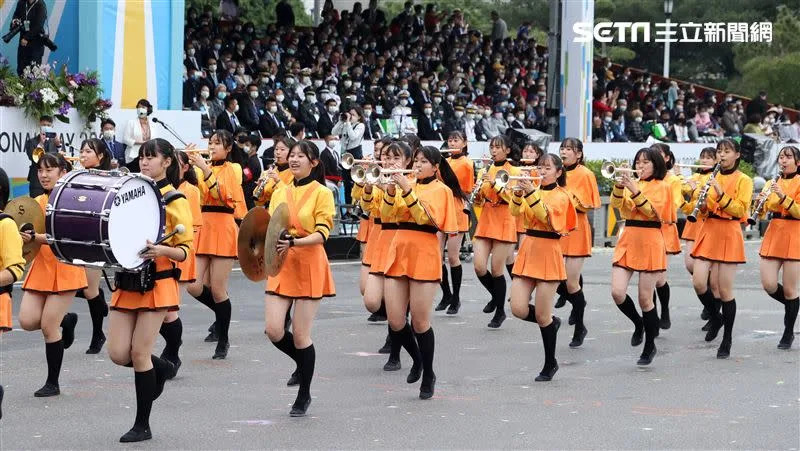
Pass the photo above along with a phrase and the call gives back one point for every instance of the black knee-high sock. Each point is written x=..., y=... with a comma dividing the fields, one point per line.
x=97, y=310
x=456, y=272
x=306, y=358
x=382, y=309
x=394, y=349
x=410, y=344
x=54, y=352
x=223, y=312
x=531, y=318
x=427, y=343
x=578, y=307
x=790, y=314
x=172, y=333
x=487, y=281
x=562, y=288
x=708, y=301
x=580, y=281
x=510, y=268
x=145, y=390
x=445, y=284
x=286, y=345
x=650, y=320
x=549, y=337
x=499, y=294
x=728, y=316
x=629, y=309
x=778, y=295
x=206, y=298
x=663, y=296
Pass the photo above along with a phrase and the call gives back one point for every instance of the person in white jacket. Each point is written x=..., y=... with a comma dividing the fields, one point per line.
x=350, y=129
x=137, y=131
x=401, y=114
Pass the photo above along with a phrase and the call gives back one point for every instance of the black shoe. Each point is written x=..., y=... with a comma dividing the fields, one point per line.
x=222, y=350
x=571, y=319
x=706, y=326
x=455, y=305
x=212, y=336
x=392, y=365
x=724, y=350
x=176, y=364
x=68, y=329
x=415, y=373
x=636, y=338
x=136, y=435
x=443, y=303
x=578, y=336
x=489, y=308
x=704, y=314
x=426, y=388
x=97, y=343
x=376, y=318
x=647, y=357
x=562, y=301
x=47, y=391
x=713, y=329
x=786, y=340
x=387, y=346
x=497, y=321
x=547, y=373
x=162, y=374
x=299, y=408
x=294, y=379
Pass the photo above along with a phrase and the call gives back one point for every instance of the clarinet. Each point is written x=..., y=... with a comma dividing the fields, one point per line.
x=701, y=200
x=757, y=211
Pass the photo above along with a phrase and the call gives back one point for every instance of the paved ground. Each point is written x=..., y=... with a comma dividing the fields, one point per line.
x=485, y=394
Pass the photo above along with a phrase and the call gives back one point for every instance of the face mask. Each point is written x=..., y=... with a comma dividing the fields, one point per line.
x=487, y=113
x=253, y=94
x=190, y=52
x=279, y=97
x=273, y=109
x=403, y=102
x=637, y=119
x=142, y=112
x=236, y=109
x=240, y=71
x=428, y=111
x=348, y=83
x=246, y=149
x=204, y=94
x=46, y=129
x=290, y=51
x=333, y=109
x=459, y=114
x=108, y=135
x=450, y=98
x=357, y=85
x=510, y=118
x=240, y=47
x=311, y=99
x=212, y=68
x=217, y=46
x=222, y=95
x=331, y=144
x=351, y=98
x=623, y=107
x=249, y=61
x=679, y=109
x=607, y=119
x=521, y=117
x=437, y=100
x=498, y=115
x=289, y=81
x=389, y=88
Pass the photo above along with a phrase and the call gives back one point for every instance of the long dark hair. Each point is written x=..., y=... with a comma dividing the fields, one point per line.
x=402, y=149
x=503, y=141
x=793, y=151
x=556, y=161
x=160, y=146
x=576, y=143
x=539, y=152
x=5, y=189
x=654, y=155
x=449, y=178
x=413, y=141
x=727, y=142
x=101, y=150
x=667, y=153
x=226, y=139
x=311, y=151
x=190, y=175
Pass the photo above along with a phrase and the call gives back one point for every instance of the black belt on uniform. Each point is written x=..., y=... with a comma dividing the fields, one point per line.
x=715, y=216
x=377, y=221
x=787, y=217
x=174, y=273
x=542, y=234
x=6, y=288
x=643, y=224
x=417, y=227
x=389, y=226
x=216, y=209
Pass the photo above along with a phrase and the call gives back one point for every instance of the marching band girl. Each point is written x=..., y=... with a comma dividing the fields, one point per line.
x=279, y=175
x=50, y=287
x=305, y=276
x=137, y=310
x=548, y=214
x=464, y=170
x=496, y=233
x=577, y=246
x=719, y=246
x=12, y=264
x=530, y=157
x=780, y=248
x=421, y=209
x=644, y=205
x=219, y=185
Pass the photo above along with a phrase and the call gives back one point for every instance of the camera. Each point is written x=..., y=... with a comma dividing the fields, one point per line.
x=50, y=135
x=11, y=33
x=343, y=117
x=44, y=38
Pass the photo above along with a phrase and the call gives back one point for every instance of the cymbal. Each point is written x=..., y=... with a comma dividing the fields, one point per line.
x=252, y=232
x=29, y=217
x=278, y=223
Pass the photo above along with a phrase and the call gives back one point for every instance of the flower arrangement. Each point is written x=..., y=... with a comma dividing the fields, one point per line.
x=42, y=90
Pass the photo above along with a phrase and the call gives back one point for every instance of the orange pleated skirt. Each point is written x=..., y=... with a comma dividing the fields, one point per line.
x=305, y=274
x=217, y=237
x=671, y=239
x=380, y=248
x=462, y=218
x=540, y=259
x=415, y=255
x=5, y=312
x=369, y=247
x=48, y=275
x=163, y=297
x=497, y=223
x=520, y=220
x=579, y=241
x=690, y=230
x=364, y=227
x=188, y=268
x=720, y=240
x=641, y=249
x=782, y=240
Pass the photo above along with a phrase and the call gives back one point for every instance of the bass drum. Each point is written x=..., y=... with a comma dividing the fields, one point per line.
x=104, y=218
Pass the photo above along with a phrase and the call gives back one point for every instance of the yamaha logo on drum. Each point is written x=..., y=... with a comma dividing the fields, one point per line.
x=129, y=196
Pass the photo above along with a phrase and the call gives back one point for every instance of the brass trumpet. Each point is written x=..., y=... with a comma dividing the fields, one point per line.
x=348, y=161
x=376, y=174
x=503, y=178
x=37, y=153
x=450, y=152
x=203, y=152
x=693, y=166
x=610, y=171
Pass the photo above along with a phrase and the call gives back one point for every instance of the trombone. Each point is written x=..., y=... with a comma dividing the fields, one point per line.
x=610, y=171
x=503, y=178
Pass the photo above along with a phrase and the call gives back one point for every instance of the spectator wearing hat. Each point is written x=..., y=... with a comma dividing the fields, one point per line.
x=471, y=124
x=428, y=127
x=401, y=114
x=328, y=118
x=310, y=113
